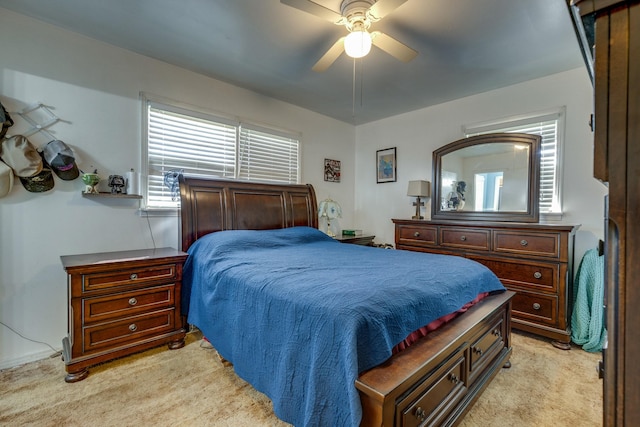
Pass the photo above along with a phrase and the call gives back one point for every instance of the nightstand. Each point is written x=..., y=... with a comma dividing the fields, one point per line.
x=363, y=239
x=121, y=303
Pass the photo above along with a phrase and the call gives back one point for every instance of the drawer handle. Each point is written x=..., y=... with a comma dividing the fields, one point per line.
x=536, y=306
x=420, y=414
x=497, y=332
x=537, y=275
x=454, y=378
x=133, y=301
x=416, y=234
x=133, y=327
x=523, y=242
x=133, y=276
x=463, y=238
x=477, y=350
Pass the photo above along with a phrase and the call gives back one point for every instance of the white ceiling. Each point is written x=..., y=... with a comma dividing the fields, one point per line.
x=465, y=47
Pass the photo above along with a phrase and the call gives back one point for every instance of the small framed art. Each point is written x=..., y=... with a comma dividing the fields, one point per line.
x=386, y=165
x=332, y=170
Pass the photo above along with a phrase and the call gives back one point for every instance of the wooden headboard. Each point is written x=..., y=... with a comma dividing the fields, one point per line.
x=210, y=205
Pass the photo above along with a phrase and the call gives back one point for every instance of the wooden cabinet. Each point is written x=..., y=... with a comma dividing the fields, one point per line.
x=534, y=260
x=121, y=303
x=617, y=162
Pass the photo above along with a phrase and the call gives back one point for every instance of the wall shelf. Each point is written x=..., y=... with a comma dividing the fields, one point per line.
x=111, y=195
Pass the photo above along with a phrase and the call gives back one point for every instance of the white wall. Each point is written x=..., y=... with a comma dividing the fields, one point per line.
x=416, y=134
x=94, y=88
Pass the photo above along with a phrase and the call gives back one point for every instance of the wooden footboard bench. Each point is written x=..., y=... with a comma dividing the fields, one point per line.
x=435, y=381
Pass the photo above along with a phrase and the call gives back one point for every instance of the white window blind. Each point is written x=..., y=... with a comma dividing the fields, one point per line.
x=547, y=127
x=265, y=156
x=179, y=139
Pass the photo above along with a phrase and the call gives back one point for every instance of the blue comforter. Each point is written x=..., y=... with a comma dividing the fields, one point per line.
x=300, y=315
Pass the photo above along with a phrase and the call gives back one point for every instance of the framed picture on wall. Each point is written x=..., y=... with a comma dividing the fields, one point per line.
x=332, y=170
x=386, y=165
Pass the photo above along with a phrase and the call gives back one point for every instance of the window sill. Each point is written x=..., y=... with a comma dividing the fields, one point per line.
x=158, y=212
x=551, y=217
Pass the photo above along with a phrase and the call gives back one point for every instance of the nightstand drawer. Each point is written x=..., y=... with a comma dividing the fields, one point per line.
x=535, y=307
x=128, y=303
x=541, y=244
x=112, y=334
x=135, y=277
x=464, y=238
x=543, y=276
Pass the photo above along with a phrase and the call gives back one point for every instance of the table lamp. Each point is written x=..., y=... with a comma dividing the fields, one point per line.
x=329, y=209
x=418, y=189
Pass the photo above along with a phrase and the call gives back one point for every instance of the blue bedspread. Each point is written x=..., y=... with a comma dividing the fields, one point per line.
x=300, y=315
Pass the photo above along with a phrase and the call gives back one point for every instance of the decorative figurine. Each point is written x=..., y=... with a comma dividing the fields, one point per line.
x=117, y=184
x=456, y=198
x=91, y=180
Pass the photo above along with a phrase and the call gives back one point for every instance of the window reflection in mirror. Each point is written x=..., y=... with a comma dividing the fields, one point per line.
x=488, y=188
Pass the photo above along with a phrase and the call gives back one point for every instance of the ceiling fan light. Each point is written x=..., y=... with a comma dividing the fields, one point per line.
x=357, y=44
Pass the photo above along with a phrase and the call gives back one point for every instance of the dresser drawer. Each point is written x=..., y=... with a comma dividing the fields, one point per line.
x=543, y=276
x=426, y=405
x=540, y=244
x=129, y=330
x=128, y=277
x=416, y=235
x=535, y=307
x=464, y=238
x=127, y=303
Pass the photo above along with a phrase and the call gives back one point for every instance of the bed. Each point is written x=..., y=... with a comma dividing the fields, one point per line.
x=288, y=307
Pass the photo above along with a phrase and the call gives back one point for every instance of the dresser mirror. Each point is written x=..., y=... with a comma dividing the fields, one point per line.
x=491, y=177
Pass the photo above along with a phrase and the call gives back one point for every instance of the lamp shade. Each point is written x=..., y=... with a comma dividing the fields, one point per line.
x=419, y=189
x=329, y=209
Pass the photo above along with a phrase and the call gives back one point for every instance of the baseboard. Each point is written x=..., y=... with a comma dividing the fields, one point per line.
x=12, y=363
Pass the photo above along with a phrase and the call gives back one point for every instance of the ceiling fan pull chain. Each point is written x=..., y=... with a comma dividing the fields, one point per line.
x=361, y=80
x=353, y=90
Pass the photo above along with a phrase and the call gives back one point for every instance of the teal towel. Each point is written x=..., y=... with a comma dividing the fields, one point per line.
x=587, y=320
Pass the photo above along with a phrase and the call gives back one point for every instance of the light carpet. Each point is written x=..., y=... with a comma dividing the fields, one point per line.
x=191, y=387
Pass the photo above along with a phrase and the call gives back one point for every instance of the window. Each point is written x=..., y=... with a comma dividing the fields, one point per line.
x=549, y=126
x=196, y=143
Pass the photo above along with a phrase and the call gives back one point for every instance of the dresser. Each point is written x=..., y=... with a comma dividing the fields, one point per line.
x=532, y=259
x=120, y=303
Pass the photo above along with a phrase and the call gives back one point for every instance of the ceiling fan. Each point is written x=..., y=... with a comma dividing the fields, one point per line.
x=357, y=16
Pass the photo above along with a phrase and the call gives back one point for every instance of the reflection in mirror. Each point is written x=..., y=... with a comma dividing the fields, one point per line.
x=490, y=176
x=497, y=174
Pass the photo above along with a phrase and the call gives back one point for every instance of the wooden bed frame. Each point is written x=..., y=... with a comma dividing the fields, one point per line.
x=433, y=382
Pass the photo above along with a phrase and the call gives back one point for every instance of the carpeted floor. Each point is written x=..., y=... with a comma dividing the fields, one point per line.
x=190, y=387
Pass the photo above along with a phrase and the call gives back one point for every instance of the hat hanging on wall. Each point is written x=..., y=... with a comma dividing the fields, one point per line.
x=61, y=159
x=6, y=179
x=21, y=156
x=40, y=182
x=5, y=121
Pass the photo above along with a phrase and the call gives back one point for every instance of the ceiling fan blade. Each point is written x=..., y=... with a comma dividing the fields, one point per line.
x=393, y=47
x=382, y=8
x=315, y=9
x=330, y=56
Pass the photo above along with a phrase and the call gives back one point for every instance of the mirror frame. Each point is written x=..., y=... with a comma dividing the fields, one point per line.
x=531, y=214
